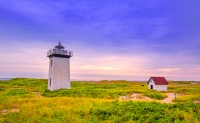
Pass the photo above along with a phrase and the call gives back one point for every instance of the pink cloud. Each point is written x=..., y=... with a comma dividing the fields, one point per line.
x=169, y=69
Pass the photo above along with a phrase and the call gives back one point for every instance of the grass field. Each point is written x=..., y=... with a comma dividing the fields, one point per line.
x=27, y=100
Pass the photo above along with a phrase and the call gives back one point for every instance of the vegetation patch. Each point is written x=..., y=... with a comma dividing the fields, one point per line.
x=184, y=82
x=16, y=92
x=2, y=88
x=105, y=89
x=144, y=112
x=94, y=102
x=30, y=84
x=155, y=94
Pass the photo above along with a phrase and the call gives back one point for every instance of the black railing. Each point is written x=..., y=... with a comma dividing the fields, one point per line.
x=62, y=52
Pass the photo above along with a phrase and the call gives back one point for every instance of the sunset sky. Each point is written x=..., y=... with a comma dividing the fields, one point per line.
x=111, y=39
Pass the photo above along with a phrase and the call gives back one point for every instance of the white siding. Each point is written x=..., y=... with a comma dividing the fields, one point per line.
x=151, y=82
x=156, y=87
x=59, y=73
x=161, y=87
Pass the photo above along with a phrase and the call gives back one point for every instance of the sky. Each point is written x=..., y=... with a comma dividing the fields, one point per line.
x=110, y=39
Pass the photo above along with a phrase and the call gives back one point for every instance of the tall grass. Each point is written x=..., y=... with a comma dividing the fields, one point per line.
x=105, y=89
x=84, y=110
x=187, y=91
x=95, y=102
x=144, y=112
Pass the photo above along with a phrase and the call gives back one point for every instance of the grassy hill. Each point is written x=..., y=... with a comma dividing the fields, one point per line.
x=27, y=100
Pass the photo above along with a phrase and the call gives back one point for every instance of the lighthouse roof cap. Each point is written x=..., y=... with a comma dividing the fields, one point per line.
x=59, y=46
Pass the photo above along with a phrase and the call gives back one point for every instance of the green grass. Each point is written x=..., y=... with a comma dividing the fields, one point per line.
x=30, y=84
x=188, y=91
x=105, y=89
x=89, y=102
x=144, y=112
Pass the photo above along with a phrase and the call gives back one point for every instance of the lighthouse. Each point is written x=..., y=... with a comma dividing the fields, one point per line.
x=59, y=68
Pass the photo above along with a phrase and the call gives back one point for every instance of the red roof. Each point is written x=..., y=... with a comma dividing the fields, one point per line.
x=159, y=80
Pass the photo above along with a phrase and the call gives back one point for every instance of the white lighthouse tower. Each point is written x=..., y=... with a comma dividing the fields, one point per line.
x=59, y=68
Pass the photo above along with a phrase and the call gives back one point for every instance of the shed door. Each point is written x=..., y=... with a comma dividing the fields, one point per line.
x=151, y=86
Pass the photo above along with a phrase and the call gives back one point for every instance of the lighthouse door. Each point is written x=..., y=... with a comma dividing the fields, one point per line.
x=151, y=86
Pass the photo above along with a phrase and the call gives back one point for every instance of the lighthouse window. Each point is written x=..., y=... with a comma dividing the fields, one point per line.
x=51, y=62
x=50, y=82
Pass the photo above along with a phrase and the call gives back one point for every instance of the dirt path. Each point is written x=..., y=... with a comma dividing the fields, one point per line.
x=135, y=96
x=5, y=111
x=140, y=97
x=170, y=97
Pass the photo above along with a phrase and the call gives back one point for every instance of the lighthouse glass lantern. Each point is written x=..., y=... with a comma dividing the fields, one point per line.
x=59, y=68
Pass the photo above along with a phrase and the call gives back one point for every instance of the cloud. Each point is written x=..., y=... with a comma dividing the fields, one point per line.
x=169, y=69
x=92, y=67
x=22, y=59
x=123, y=39
x=27, y=58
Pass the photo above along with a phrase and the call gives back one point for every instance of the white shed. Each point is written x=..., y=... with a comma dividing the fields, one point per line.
x=157, y=83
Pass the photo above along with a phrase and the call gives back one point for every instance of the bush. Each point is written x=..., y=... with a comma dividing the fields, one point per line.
x=155, y=94
x=120, y=112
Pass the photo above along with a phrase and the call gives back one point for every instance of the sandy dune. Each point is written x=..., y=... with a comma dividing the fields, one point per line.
x=140, y=97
